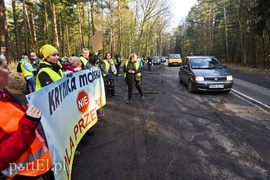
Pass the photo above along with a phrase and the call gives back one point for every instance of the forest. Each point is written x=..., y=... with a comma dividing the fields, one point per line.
x=235, y=31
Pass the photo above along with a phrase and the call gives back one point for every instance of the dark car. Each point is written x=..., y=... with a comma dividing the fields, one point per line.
x=156, y=60
x=162, y=58
x=205, y=73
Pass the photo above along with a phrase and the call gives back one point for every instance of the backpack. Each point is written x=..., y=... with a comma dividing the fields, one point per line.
x=19, y=68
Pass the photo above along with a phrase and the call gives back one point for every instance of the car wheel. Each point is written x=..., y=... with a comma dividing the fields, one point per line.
x=180, y=79
x=190, y=88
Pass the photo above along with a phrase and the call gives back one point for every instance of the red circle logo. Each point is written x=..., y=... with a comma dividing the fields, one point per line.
x=83, y=101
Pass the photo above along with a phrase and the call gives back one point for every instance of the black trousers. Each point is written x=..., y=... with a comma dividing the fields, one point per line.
x=130, y=87
x=109, y=86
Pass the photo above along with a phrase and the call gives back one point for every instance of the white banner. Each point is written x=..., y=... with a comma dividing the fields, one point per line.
x=68, y=109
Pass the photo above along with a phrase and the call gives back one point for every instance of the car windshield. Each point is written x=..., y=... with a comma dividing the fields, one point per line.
x=174, y=56
x=205, y=63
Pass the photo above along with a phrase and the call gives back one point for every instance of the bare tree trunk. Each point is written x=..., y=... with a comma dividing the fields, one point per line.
x=226, y=34
x=67, y=37
x=29, y=26
x=112, y=48
x=63, y=46
x=243, y=49
x=55, y=25
x=120, y=38
x=2, y=27
x=102, y=25
x=18, y=46
x=92, y=17
x=25, y=29
x=34, y=33
x=48, y=34
x=89, y=24
x=80, y=24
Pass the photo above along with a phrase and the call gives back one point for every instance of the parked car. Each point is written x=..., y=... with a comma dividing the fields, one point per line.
x=174, y=60
x=205, y=73
x=156, y=60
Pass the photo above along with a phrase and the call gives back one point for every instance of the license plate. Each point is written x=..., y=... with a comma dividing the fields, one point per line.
x=216, y=86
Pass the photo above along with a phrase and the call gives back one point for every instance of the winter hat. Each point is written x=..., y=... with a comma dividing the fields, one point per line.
x=47, y=50
x=74, y=61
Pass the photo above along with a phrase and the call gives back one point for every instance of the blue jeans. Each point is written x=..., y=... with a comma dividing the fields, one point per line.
x=31, y=84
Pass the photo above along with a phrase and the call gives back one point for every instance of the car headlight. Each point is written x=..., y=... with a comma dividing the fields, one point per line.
x=229, y=78
x=199, y=78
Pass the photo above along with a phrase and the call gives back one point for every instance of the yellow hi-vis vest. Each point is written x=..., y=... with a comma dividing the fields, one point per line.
x=84, y=60
x=36, y=160
x=25, y=72
x=53, y=75
x=107, y=67
x=137, y=65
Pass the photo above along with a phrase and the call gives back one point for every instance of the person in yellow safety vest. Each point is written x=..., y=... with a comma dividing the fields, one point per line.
x=84, y=56
x=23, y=151
x=50, y=69
x=108, y=72
x=28, y=72
x=143, y=60
x=117, y=62
x=132, y=69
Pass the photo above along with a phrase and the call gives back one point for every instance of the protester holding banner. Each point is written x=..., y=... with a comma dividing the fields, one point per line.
x=84, y=56
x=132, y=69
x=50, y=70
x=21, y=146
x=94, y=62
x=71, y=64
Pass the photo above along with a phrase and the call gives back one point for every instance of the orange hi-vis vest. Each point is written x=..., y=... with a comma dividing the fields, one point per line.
x=36, y=160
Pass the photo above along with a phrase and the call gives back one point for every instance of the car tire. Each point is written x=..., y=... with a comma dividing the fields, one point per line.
x=190, y=88
x=180, y=79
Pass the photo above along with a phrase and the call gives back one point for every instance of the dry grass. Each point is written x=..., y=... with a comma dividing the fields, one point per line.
x=17, y=83
x=259, y=72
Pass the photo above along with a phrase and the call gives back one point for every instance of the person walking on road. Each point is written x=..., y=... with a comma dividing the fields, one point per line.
x=132, y=69
x=149, y=63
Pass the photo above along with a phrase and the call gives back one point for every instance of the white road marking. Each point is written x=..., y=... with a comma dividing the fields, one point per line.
x=250, y=100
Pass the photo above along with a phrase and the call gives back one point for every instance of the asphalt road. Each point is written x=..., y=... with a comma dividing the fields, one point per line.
x=173, y=134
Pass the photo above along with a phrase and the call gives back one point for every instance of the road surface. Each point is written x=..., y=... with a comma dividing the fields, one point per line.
x=174, y=134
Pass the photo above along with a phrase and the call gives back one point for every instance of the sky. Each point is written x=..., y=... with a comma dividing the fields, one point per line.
x=180, y=10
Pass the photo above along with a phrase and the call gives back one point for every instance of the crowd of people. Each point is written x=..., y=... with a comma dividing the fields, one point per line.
x=19, y=137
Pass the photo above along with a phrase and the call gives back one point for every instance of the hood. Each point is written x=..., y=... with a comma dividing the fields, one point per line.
x=210, y=72
x=24, y=60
